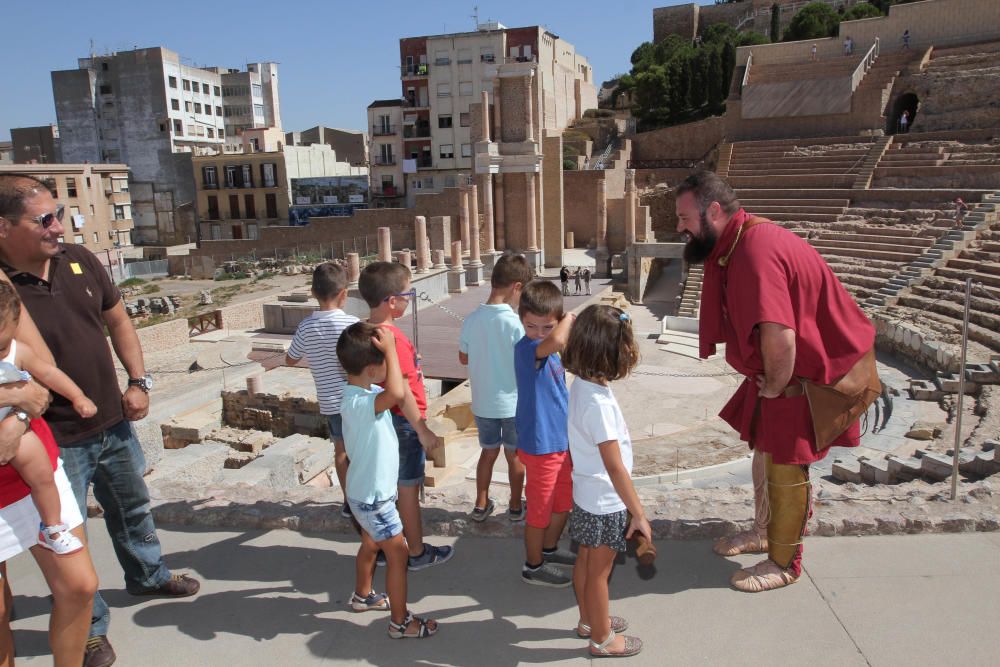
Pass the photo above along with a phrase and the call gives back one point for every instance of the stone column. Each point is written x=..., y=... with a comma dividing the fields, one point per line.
x=529, y=203
x=485, y=117
x=456, y=276
x=463, y=217
x=629, y=207
x=404, y=258
x=437, y=257
x=603, y=267
x=384, y=245
x=529, y=121
x=501, y=222
x=423, y=246
x=486, y=183
x=496, y=110
x=353, y=269
x=474, y=269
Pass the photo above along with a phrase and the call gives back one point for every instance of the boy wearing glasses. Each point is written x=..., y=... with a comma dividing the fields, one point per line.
x=385, y=287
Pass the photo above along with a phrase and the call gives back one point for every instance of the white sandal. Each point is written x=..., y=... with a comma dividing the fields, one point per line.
x=58, y=539
x=633, y=645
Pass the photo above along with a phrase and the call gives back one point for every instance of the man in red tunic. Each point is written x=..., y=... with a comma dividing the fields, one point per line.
x=784, y=316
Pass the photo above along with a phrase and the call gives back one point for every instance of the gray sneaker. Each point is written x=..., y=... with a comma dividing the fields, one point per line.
x=560, y=557
x=547, y=575
x=432, y=556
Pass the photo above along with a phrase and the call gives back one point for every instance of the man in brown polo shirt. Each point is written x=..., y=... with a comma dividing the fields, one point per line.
x=71, y=299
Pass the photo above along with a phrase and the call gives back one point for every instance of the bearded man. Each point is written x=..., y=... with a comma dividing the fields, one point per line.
x=786, y=320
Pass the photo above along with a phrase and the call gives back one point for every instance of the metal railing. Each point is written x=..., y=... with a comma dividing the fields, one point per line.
x=866, y=64
x=383, y=161
x=746, y=74
x=383, y=130
x=416, y=69
x=416, y=131
x=144, y=269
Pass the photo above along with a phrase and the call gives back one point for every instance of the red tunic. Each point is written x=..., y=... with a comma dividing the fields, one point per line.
x=775, y=276
x=12, y=487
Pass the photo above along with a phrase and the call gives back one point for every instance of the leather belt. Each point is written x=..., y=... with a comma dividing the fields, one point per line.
x=793, y=390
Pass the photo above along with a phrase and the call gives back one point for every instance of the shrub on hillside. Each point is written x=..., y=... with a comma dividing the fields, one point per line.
x=816, y=20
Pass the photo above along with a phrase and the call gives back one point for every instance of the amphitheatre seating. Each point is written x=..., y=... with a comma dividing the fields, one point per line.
x=823, y=163
x=941, y=159
x=828, y=68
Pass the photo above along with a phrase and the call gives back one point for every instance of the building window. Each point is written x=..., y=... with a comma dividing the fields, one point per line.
x=441, y=58
x=463, y=119
x=172, y=81
x=444, y=90
x=210, y=178
x=271, y=202
x=444, y=121
x=119, y=184
x=256, y=90
x=204, y=88
x=105, y=89
x=211, y=133
x=163, y=127
x=175, y=105
x=258, y=110
x=186, y=84
x=70, y=187
x=247, y=173
x=213, y=208
x=252, y=231
x=78, y=238
x=464, y=56
x=197, y=107
x=230, y=175
x=267, y=174
x=465, y=88
x=466, y=150
x=234, y=207
x=121, y=213
x=251, y=208
x=96, y=238
x=178, y=128
x=187, y=106
x=218, y=111
x=218, y=93
x=447, y=150
x=486, y=54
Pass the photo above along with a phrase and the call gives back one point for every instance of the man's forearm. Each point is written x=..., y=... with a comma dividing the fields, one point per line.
x=126, y=344
x=777, y=348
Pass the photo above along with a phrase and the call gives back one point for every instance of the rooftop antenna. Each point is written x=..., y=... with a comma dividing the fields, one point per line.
x=92, y=54
x=475, y=16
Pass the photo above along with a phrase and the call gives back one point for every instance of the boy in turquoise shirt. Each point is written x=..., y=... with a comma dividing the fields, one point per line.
x=486, y=345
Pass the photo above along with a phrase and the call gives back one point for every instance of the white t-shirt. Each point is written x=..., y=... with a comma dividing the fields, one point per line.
x=316, y=339
x=594, y=417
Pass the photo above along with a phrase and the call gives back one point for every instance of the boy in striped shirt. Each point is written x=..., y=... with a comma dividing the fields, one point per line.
x=316, y=339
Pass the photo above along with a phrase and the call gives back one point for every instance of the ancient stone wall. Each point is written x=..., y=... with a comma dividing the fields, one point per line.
x=691, y=140
x=164, y=336
x=281, y=415
x=678, y=20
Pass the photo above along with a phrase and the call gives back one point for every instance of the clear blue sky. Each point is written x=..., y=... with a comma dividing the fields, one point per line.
x=335, y=57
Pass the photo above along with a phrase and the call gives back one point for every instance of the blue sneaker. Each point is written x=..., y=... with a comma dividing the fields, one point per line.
x=430, y=557
x=371, y=602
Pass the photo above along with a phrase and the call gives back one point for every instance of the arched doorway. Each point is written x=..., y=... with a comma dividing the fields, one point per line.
x=907, y=102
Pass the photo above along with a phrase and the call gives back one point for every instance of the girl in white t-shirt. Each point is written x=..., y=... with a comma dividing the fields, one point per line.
x=601, y=349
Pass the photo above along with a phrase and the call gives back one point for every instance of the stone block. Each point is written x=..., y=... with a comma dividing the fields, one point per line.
x=875, y=471
x=277, y=472
x=903, y=470
x=310, y=456
x=934, y=466
x=198, y=465
x=923, y=430
x=847, y=470
x=149, y=433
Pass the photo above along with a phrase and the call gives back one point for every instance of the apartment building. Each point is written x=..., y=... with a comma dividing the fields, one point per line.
x=441, y=75
x=388, y=186
x=239, y=193
x=36, y=145
x=149, y=109
x=6, y=152
x=351, y=145
x=98, y=205
x=250, y=100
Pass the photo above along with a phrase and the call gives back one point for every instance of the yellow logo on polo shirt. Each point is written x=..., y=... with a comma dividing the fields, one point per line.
x=77, y=269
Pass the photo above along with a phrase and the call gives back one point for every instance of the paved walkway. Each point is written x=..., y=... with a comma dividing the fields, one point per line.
x=277, y=598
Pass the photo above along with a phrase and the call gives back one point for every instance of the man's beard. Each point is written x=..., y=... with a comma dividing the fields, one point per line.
x=698, y=248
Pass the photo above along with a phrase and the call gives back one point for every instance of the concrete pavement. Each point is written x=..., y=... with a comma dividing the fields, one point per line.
x=277, y=598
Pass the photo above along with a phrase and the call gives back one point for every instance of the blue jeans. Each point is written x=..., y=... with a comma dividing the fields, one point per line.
x=494, y=431
x=411, y=453
x=114, y=462
x=379, y=519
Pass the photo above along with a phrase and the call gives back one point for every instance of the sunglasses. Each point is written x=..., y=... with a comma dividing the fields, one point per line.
x=412, y=293
x=45, y=220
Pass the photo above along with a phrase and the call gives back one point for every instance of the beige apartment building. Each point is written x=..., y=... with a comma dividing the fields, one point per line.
x=441, y=75
x=239, y=193
x=98, y=205
x=387, y=184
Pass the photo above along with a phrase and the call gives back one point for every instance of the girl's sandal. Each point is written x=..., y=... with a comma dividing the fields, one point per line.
x=401, y=630
x=633, y=645
x=618, y=624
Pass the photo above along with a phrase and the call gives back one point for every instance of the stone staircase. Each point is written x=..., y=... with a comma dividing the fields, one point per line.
x=872, y=95
x=725, y=157
x=819, y=163
x=930, y=466
x=867, y=172
x=691, y=297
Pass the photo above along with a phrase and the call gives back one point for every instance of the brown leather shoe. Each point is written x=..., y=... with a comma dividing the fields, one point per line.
x=99, y=652
x=178, y=586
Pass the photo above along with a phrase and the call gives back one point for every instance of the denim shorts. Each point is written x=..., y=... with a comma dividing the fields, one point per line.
x=379, y=519
x=336, y=424
x=496, y=431
x=411, y=453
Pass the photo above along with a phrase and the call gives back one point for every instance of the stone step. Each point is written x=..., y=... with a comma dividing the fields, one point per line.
x=914, y=243
x=750, y=202
x=875, y=471
x=286, y=464
x=904, y=469
x=798, y=217
x=847, y=470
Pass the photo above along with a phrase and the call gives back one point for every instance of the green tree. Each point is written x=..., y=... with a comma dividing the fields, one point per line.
x=862, y=10
x=814, y=21
x=775, y=22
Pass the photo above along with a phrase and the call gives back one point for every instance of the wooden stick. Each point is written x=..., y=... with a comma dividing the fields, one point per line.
x=645, y=550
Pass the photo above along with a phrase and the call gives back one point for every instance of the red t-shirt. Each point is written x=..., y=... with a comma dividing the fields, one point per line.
x=775, y=276
x=12, y=487
x=409, y=365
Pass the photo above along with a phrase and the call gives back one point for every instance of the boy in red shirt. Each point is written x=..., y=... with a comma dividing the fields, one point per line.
x=385, y=287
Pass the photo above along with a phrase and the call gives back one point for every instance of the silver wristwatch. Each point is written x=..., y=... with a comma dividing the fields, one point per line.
x=22, y=416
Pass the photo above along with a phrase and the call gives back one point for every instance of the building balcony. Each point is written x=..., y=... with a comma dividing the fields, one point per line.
x=386, y=191
x=416, y=132
x=383, y=130
x=415, y=104
x=383, y=161
x=487, y=58
x=209, y=186
x=415, y=70
x=424, y=163
x=442, y=61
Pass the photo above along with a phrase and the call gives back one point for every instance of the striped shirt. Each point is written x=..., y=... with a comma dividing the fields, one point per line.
x=316, y=338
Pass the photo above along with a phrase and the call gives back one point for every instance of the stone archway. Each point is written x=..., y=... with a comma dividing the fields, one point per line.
x=908, y=102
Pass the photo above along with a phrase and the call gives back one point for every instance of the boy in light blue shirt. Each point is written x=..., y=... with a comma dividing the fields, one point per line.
x=486, y=345
x=368, y=354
